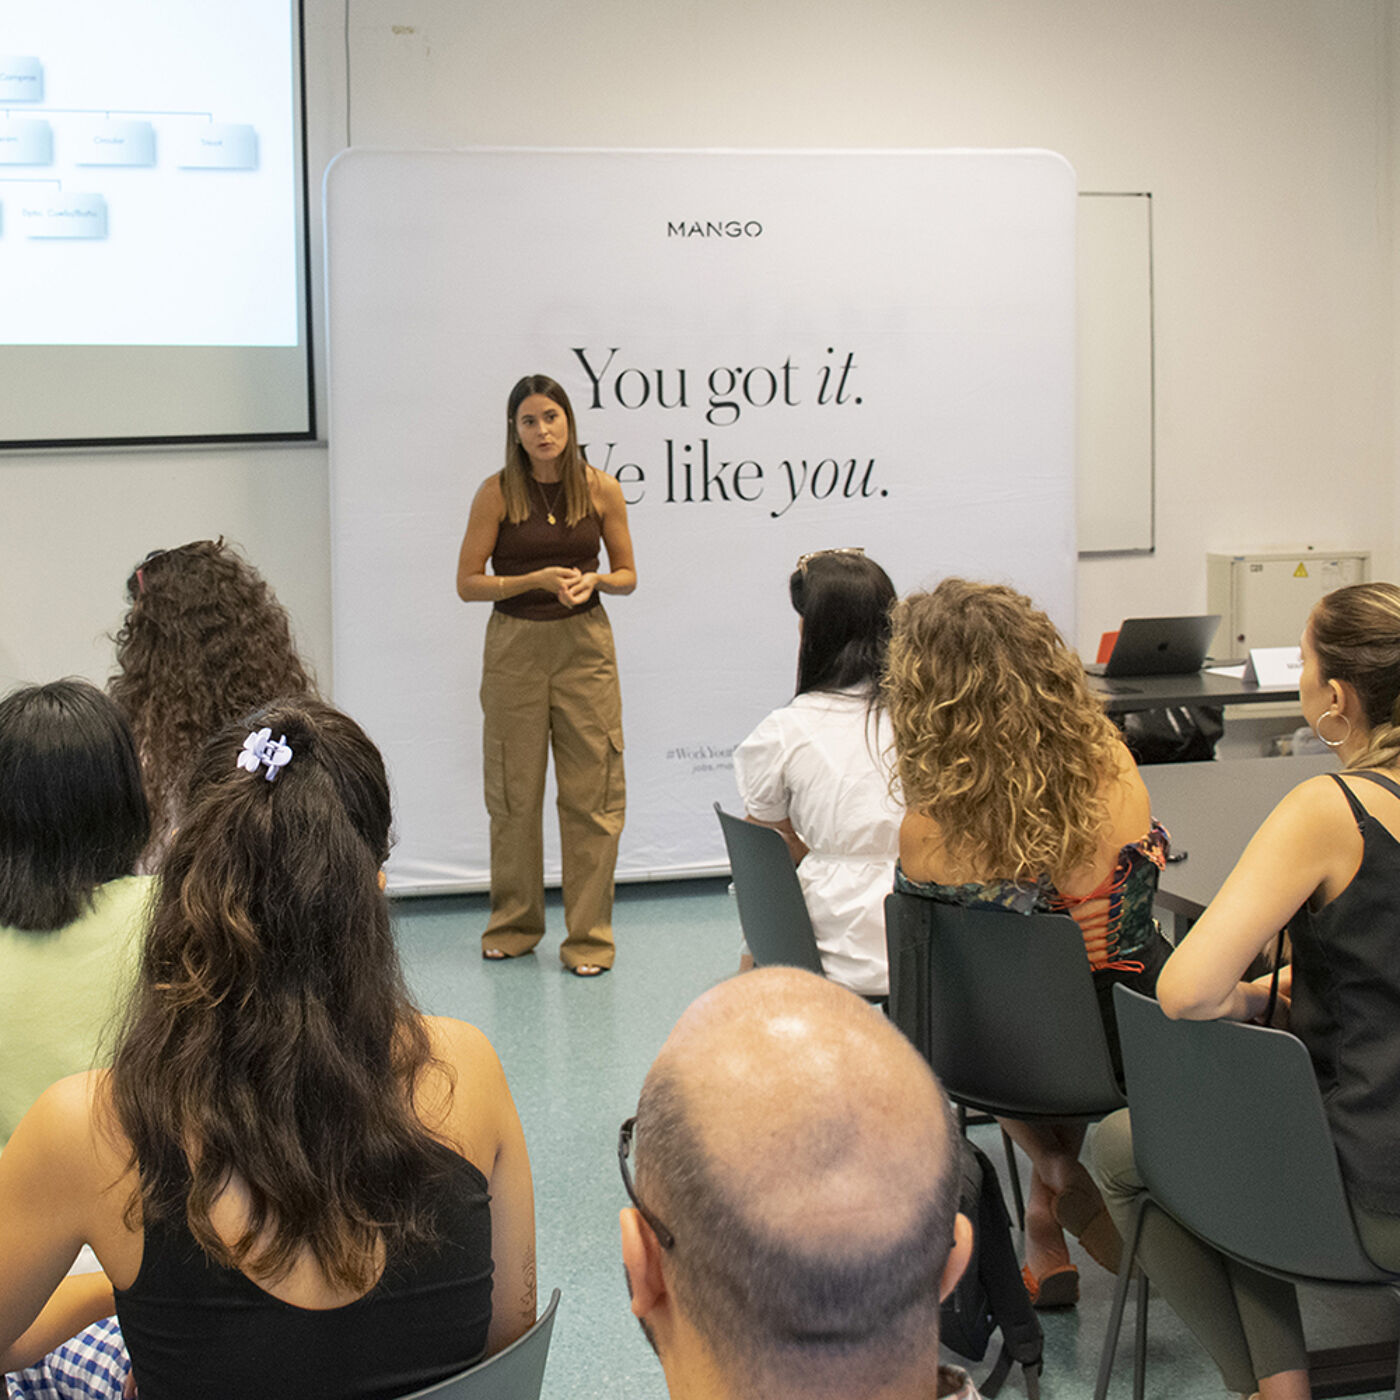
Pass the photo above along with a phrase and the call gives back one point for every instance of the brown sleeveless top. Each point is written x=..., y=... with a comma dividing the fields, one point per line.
x=536, y=544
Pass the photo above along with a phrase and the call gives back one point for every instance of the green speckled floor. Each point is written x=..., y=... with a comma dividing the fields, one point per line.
x=576, y=1052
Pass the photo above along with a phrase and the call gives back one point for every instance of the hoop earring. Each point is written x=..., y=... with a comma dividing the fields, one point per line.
x=1332, y=743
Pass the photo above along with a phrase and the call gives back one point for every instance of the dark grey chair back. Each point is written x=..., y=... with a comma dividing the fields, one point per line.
x=772, y=911
x=1002, y=1005
x=1230, y=1138
x=517, y=1373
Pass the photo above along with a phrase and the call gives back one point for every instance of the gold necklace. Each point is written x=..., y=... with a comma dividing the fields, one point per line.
x=548, y=505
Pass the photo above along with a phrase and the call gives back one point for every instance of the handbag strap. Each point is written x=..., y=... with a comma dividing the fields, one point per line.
x=1273, y=985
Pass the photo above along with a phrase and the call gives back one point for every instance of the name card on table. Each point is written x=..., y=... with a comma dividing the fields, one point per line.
x=1274, y=666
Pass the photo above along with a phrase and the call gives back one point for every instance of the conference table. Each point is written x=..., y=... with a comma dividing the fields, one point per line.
x=1124, y=694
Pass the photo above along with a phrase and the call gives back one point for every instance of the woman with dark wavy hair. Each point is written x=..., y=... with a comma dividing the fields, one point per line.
x=296, y=1183
x=818, y=769
x=1023, y=796
x=204, y=641
x=73, y=822
x=549, y=674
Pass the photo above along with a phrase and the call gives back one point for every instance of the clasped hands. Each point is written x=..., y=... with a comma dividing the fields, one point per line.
x=571, y=586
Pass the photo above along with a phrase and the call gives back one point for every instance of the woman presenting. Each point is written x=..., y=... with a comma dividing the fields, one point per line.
x=549, y=676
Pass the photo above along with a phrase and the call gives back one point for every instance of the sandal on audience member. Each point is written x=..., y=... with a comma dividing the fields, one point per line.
x=1057, y=1289
x=588, y=970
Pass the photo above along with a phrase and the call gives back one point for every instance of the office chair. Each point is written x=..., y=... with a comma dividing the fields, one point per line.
x=772, y=911
x=1231, y=1140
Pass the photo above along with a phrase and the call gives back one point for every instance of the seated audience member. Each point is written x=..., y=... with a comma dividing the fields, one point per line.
x=1022, y=796
x=818, y=769
x=204, y=642
x=296, y=1183
x=794, y=1222
x=73, y=821
x=1325, y=864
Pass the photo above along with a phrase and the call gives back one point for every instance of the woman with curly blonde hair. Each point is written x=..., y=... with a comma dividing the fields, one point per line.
x=1022, y=796
x=204, y=641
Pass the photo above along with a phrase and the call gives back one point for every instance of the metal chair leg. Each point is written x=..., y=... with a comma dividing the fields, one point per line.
x=1015, y=1176
x=1140, y=1340
x=1120, y=1298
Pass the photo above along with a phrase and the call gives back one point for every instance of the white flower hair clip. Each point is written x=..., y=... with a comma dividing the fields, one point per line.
x=260, y=748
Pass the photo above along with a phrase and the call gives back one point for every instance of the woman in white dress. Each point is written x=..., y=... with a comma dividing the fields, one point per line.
x=818, y=770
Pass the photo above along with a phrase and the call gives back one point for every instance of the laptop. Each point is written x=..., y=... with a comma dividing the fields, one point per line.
x=1160, y=646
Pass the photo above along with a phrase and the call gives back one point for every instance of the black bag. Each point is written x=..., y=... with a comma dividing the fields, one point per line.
x=991, y=1293
x=1181, y=734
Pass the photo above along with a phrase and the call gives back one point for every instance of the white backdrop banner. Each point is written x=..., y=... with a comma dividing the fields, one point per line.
x=772, y=352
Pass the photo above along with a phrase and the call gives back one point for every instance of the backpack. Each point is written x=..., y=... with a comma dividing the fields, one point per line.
x=991, y=1294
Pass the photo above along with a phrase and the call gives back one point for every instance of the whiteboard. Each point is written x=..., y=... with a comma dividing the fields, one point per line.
x=1115, y=379
x=774, y=352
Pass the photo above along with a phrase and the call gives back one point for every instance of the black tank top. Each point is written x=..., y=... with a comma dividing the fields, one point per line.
x=196, y=1328
x=1346, y=1010
x=536, y=544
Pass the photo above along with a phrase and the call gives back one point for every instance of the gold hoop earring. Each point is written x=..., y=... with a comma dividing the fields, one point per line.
x=1332, y=743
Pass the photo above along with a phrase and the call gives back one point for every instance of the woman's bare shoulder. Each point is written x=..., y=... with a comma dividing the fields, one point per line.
x=602, y=485
x=463, y=1098
x=491, y=493
x=1129, y=803
x=72, y=1127
x=458, y=1042
x=920, y=845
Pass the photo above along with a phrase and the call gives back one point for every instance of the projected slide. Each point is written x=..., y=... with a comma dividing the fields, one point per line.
x=147, y=174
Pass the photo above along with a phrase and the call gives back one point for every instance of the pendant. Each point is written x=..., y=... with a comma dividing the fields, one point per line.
x=550, y=518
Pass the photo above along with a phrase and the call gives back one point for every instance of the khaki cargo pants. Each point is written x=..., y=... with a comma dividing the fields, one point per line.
x=552, y=684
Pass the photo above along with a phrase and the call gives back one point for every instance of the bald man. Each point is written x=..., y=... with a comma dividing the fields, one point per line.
x=794, y=1223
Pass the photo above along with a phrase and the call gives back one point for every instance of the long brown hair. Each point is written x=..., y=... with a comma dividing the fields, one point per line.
x=573, y=470
x=271, y=1038
x=998, y=738
x=1355, y=632
x=204, y=641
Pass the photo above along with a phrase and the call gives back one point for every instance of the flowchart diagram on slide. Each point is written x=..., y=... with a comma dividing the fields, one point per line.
x=150, y=190
x=35, y=137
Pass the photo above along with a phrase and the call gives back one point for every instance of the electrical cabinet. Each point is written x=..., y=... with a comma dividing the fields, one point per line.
x=1264, y=599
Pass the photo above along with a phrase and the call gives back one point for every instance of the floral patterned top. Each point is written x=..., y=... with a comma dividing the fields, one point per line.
x=1115, y=917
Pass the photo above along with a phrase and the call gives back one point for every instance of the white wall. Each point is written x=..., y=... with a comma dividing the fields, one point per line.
x=1264, y=128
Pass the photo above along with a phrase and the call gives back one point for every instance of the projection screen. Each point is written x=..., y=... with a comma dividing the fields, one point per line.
x=153, y=250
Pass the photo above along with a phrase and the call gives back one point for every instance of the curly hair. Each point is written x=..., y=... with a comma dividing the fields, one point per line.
x=72, y=810
x=997, y=737
x=271, y=1035
x=1355, y=632
x=204, y=641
